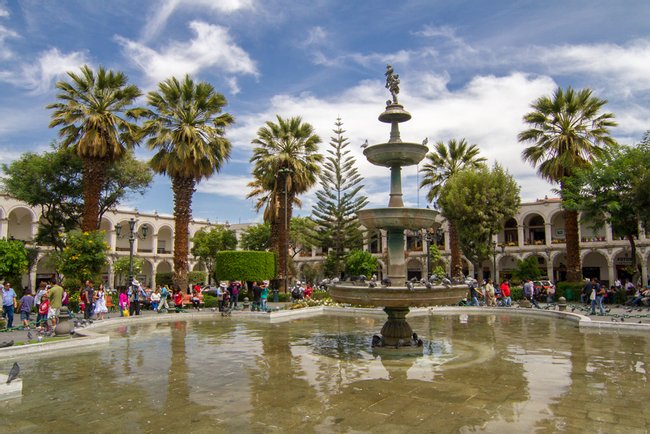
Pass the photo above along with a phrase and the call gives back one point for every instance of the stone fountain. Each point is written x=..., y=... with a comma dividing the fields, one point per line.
x=394, y=219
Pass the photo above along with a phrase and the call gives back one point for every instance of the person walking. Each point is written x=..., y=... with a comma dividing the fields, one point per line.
x=529, y=293
x=491, y=298
x=474, y=294
x=264, y=295
x=87, y=296
x=100, y=303
x=505, y=293
x=123, y=302
x=257, y=297
x=234, y=293
x=596, y=297
x=55, y=295
x=26, y=305
x=8, y=304
x=164, y=295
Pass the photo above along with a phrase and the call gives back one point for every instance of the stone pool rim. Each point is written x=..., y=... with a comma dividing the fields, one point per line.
x=91, y=336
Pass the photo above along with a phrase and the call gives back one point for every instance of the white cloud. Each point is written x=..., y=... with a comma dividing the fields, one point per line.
x=315, y=36
x=162, y=12
x=50, y=65
x=626, y=68
x=225, y=185
x=212, y=47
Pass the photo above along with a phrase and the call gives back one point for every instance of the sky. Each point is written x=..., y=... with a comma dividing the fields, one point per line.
x=468, y=69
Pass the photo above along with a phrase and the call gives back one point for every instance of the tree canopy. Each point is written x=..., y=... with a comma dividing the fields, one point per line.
x=206, y=245
x=339, y=200
x=479, y=201
x=52, y=182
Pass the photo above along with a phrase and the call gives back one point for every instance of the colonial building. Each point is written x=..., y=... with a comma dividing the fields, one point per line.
x=19, y=221
x=537, y=230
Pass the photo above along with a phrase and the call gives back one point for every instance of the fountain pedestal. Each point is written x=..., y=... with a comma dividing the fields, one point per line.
x=397, y=331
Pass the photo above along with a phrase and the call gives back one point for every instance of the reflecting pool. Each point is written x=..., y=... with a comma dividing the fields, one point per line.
x=494, y=373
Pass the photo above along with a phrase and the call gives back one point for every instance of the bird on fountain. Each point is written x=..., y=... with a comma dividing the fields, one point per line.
x=13, y=372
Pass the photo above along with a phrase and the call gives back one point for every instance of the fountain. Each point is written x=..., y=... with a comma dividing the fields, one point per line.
x=396, y=300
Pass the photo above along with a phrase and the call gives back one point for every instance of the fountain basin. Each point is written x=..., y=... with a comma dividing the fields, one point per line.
x=398, y=218
x=396, y=154
x=396, y=296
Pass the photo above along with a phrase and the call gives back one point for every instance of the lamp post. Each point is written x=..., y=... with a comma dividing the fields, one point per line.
x=133, y=234
x=494, y=261
x=286, y=171
x=428, y=237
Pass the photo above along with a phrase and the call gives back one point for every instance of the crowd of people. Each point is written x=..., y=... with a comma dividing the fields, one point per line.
x=46, y=303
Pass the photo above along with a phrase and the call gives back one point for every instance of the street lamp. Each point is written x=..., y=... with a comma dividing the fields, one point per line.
x=428, y=237
x=286, y=171
x=494, y=261
x=133, y=234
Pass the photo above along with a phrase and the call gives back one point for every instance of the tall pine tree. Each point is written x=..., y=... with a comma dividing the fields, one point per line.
x=339, y=200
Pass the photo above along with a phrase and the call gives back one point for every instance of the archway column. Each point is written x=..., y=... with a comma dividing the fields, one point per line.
x=548, y=233
x=520, y=235
x=4, y=227
x=644, y=272
x=611, y=269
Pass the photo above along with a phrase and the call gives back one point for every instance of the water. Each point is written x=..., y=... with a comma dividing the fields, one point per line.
x=478, y=373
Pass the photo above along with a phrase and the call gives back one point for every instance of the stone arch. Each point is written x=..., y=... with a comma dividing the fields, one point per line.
x=595, y=264
x=558, y=235
x=534, y=229
x=45, y=269
x=146, y=244
x=20, y=222
x=622, y=262
x=164, y=267
x=559, y=266
x=506, y=263
x=510, y=235
x=414, y=268
x=147, y=272
x=165, y=240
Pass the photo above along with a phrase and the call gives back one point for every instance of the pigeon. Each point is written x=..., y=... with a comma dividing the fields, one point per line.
x=425, y=141
x=39, y=338
x=446, y=282
x=365, y=144
x=372, y=284
x=415, y=336
x=29, y=335
x=622, y=319
x=336, y=280
x=409, y=285
x=376, y=341
x=13, y=372
x=386, y=281
x=573, y=308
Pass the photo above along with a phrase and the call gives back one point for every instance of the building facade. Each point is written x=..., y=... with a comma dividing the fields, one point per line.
x=537, y=230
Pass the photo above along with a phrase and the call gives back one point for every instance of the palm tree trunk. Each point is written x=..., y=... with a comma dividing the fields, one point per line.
x=454, y=246
x=573, y=266
x=635, y=267
x=183, y=189
x=284, y=219
x=93, y=179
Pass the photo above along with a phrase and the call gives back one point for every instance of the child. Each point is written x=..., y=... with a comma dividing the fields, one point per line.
x=26, y=305
x=43, y=309
x=123, y=302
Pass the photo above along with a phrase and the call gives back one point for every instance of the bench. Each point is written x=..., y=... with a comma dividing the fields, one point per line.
x=187, y=300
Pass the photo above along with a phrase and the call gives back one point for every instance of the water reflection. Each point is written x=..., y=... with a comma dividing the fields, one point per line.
x=492, y=373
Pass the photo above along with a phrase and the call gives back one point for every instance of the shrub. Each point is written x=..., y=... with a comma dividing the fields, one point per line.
x=361, y=262
x=517, y=293
x=245, y=265
x=196, y=277
x=210, y=300
x=165, y=279
x=569, y=290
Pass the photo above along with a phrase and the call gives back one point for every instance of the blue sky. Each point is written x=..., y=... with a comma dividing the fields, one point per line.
x=468, y=69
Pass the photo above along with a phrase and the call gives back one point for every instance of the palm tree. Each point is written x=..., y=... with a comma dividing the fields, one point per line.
x=286, y=164
x=441, y=164
x=95, y=118
x=187, y=129
x=568, y=133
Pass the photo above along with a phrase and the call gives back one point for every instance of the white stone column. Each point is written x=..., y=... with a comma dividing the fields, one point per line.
x=608, y=233
x=548, y=233
x=520, y=235
x=644, y=271
x=32, y=279
x=112, y=240
x=34, y=231
x=642, y=233
x=611, y=270
x=4, y=227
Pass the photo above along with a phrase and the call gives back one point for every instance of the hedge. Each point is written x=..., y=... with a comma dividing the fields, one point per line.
x=569, y=290
x=244, y=265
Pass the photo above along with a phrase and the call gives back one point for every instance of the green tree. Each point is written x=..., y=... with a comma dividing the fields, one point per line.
x=479, y=200
x=52, y=182
x=607, y=192
x=83, y=257
x=121, y=268
x=361, y=262
x=245, y=265
x=436, y=261
x=96, y=121
x=339, y=200
x=206, y=244
x=13, y=261
x=302, y=235
x=256, y=237
x=527, y=269
x=568, y=132
x=186, y=128
x=286, y=164
x=440, y=165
